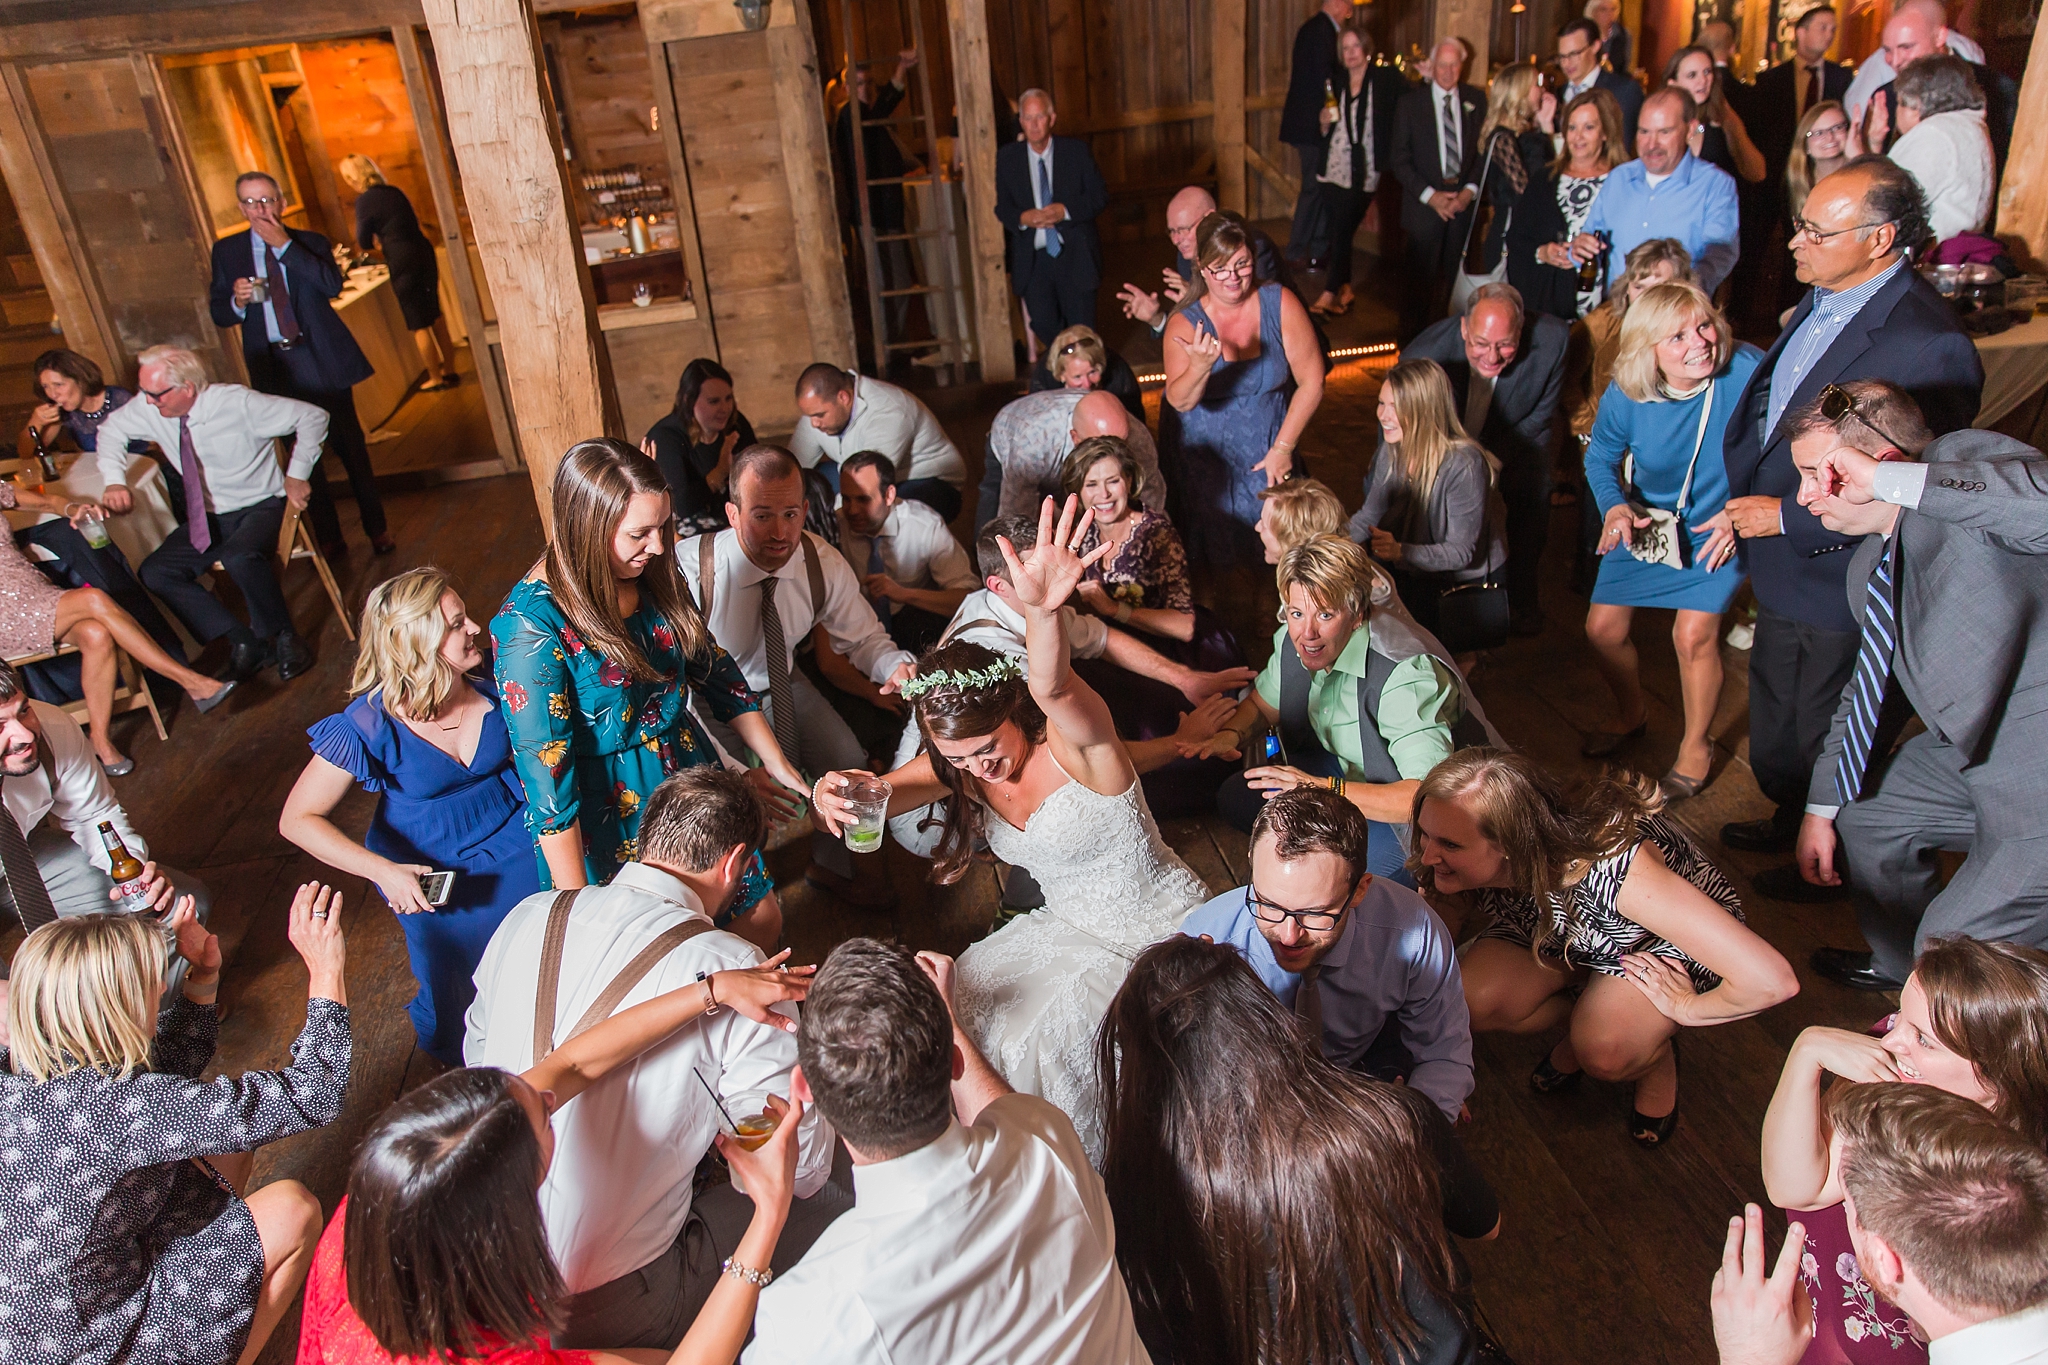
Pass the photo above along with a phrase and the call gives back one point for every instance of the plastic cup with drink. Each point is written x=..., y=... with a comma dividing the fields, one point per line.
x=869, y=797
x=753, y=1121
x=95, y=532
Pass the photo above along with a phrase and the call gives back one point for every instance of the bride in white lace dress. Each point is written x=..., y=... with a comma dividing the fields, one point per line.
x=1034, y=767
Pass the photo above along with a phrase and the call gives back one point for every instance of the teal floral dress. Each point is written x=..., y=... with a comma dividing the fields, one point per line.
x=590, y=743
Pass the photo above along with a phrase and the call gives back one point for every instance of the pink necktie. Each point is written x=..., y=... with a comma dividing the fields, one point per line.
x=195, y=489
x=281, y=301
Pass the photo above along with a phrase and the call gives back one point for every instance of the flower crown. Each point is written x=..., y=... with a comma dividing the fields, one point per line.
x=1004, y=669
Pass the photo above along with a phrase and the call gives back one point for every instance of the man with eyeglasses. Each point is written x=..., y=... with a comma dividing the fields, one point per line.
x=1366, y=965
x=1948, y=582
x=1867, y=316
x=295, y=346
x=1184, y=213
x=1579, y=50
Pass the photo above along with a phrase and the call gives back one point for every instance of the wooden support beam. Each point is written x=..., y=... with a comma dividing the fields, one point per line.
x=501, y=121
x=434, y=151
x=1471, y=20
x=800, y=119
x=1227, y=40
x=52, y=234
x=1287, y=185
x=2023, y=198
x=967, y=23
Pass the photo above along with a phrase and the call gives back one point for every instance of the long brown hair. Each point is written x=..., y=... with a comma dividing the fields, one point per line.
x=593, y=484
x=1613, y=146
x=950, y=712
x=1551, y=835
x=1268, y=1203
x=1430, y=430
x=1989, y=1003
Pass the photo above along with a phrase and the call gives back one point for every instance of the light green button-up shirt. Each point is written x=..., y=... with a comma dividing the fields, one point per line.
x=1418, y=706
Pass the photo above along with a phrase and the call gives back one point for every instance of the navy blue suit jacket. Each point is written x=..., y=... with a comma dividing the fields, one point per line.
x=1077, y=184
x=327, y=357
x=1906, y=334
x=1629, y=95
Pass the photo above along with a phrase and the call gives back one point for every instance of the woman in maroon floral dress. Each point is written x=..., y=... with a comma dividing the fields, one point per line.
x=1972, y=1020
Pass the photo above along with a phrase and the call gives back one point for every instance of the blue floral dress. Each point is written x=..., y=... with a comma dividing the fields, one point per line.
x=589, y=742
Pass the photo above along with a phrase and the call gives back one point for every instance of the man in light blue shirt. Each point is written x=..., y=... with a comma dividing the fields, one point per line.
x=1666, y=192
x=1365, y=964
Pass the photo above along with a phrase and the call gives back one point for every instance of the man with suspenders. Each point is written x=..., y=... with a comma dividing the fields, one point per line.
x=638, y=1249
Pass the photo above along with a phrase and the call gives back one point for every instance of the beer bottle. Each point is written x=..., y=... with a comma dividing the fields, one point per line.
x=1329, y=95
x=126, y=869
x=1594, y=268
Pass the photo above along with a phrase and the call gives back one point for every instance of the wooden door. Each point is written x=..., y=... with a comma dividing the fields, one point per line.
x=108, y=160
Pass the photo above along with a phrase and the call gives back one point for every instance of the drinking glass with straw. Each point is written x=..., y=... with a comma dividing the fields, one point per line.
x=756, y=1123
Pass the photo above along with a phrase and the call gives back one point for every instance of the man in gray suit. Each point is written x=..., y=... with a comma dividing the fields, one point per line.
x=1950, y=588
x=1506, y=368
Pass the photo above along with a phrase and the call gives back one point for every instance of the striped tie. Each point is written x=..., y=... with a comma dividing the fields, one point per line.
x=781, y=701
x=1867, y=709
x=1453, y=154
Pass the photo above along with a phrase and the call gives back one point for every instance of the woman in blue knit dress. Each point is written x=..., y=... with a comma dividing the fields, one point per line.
x=1656, y=448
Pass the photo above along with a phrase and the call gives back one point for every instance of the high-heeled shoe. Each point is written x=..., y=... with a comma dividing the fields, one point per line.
x=1548, y=1080
x=1655, y=1132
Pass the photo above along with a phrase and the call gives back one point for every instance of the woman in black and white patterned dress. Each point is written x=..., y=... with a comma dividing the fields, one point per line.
x=1605, y=919
x=124, y=1235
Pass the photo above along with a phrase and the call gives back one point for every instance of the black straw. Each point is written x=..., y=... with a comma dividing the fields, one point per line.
x=715, y=1100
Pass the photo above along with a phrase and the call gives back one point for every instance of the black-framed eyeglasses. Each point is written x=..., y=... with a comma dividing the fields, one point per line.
x=1802, y=228
x=259, y=202
x=1832, y=130
x=1313, y=921
x=1837, y=402
x=158, y=395
x=1573, y=55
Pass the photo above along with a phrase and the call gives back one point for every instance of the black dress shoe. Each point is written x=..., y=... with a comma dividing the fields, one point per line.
x=294, y=656
x=1758, y=836
x=250, y=658
x=1785, y=884
x=1845, y=967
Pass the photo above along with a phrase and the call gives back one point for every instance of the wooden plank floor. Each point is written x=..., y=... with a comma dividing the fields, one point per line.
x=1607, y=1249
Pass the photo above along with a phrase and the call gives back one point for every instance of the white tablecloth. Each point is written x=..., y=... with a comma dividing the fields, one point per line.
x=2015, y=368
x=138, y=531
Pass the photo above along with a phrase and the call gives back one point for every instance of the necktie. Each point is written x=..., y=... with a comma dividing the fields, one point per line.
x=1052, y=234
x=1813, y=84
x=1308, y=1007
x=281, y=306
x=195, y=489
x=1876, y=704
x=24, y=882
x=779, y=699
x=1452, y=153
x=875, y=565
x=1478, y=402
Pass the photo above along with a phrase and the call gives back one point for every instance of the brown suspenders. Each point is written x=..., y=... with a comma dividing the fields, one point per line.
x=608, y=1000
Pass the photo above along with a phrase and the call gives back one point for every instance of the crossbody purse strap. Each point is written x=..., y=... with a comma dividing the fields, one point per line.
x=1699, y=444
x=814, y=572
x=630, y=975
x=550, y=985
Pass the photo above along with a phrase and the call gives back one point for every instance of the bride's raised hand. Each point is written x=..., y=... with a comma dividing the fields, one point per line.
x=1046, y=577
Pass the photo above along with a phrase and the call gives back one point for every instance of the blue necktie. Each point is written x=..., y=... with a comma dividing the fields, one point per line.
x=1052, y=234
x=875, y=565
x=1871, y=711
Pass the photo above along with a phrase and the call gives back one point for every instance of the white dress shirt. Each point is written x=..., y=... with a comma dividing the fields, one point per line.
x=992, y=1243
x=232, y=430
x=735, y=621
x=1031, y=437
x=2016, y=1339
x=619, y=1187
x=1087, y=634
x=892, y=422
x=81, y=796
x=918, y=550
x=1038, y=200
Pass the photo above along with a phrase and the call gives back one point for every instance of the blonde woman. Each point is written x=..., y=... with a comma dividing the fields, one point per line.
x=1079, y=359
x=1291, y=512
x=131, y=1166
x=424, y=734
x=1825, y=142
x=1656, y=448
x=385, y=218
x=1602, y=919
x=1429, y=494
x=1514, y=148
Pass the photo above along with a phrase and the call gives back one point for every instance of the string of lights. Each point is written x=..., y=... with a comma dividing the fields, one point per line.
x=1378, y=348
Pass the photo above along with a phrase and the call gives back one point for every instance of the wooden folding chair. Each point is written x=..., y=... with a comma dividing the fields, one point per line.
x=131, y=689
x=294, y=541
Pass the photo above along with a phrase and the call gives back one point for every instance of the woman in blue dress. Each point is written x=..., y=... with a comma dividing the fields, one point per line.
x=600, y=649
x=1234, y=347
x=425, y=736
x=1657, y=445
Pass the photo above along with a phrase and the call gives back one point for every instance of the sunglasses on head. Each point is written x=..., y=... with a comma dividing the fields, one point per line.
x=1837, y=403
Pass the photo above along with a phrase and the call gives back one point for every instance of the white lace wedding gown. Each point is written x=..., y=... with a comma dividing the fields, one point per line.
x=1033, y=994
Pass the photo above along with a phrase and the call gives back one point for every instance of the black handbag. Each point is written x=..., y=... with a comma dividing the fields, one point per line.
x=1472, y=616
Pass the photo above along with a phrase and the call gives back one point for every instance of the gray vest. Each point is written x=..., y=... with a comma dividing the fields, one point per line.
x=1388, y=645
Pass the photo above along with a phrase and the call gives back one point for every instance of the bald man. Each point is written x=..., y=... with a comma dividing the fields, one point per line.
x=1436, y=158
x=1184, y=212
x=1917, y=31
x=1876, y=71
x=1029, y=441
